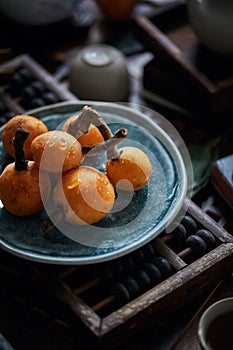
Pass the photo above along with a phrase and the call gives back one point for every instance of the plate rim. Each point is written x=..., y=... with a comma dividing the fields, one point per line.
x=84, y=260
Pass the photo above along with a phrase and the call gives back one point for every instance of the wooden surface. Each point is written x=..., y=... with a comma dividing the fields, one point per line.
x=188, y=338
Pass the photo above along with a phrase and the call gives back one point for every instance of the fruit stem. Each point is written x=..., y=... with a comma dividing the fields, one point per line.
x=88, y=116
x=108, y=146
x=20, y=161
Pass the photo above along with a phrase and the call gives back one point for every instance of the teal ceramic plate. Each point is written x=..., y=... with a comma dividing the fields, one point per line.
x=134, y=221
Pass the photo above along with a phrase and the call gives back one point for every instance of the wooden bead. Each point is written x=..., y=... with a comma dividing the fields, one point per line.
x=208, y=238
x=132, y=286
x=190, y=225
x=143, y=279
x=163, y=265
x=153, y=272
x=197, y=244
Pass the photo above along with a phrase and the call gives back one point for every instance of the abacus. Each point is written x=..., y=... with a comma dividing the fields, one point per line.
x=25, y=84
x=124, y=294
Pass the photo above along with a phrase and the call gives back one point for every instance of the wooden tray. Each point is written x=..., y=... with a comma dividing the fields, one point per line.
x=182, y=70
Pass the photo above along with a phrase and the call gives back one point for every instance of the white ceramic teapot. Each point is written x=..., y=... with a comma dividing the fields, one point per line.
x=212, y=21
x=37, y=12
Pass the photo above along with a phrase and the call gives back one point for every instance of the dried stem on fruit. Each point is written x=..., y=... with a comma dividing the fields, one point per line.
x=88, y=116
x=81, y=124
x=108, y=146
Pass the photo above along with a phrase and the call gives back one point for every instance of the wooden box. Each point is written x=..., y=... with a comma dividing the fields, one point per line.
x=183, y=71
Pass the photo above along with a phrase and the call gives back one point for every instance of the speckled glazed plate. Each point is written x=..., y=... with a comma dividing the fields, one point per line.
x=134, y=222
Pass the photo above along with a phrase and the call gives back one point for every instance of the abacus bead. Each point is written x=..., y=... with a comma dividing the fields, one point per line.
x=16, y=84
x=132, y=286
x=139, y=257
x=120, y=292
x=179, y=232
x=17, y=80
x=49, y=97
x=153, y=272
x=208, y=237
x=37, y=102
x=163, y=265
x=38, y=86
x=197, y=244
x=105, y=273
x=28, y=93
x=117, y=268
x=128, y=262
x=143, y=279
x=190, y=225
x=25, y=73
x=148, y=251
